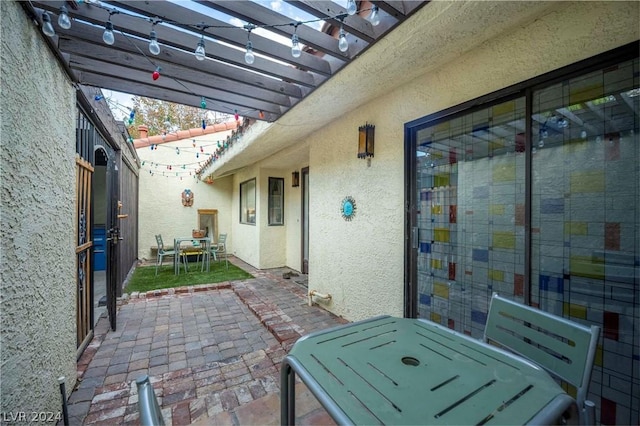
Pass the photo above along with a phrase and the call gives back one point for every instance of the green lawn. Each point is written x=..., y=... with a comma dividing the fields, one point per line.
x=144, y=278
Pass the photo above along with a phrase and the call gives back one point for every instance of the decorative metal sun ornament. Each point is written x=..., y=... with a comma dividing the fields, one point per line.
x=348, y=208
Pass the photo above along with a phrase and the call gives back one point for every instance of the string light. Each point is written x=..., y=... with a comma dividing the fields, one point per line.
x=374, y=16
x=107, y=35
x=199, y=52
x=343, y=44
x=47, y=27
x=351, y=7
x=249, y=57
x=154, y=47
x=63, y=18
x=296, y=51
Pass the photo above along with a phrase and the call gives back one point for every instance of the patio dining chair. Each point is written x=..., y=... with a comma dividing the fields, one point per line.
x=194, y=249
x=162, y=252
x=220, y=249
x=564, y=348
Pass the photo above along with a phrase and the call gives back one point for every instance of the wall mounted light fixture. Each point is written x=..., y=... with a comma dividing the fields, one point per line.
x=295, y=179
x=365, y=140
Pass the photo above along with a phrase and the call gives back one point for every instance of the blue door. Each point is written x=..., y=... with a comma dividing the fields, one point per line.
x=99, y=254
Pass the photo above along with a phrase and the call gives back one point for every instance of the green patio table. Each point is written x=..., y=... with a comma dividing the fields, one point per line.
x=403, y=371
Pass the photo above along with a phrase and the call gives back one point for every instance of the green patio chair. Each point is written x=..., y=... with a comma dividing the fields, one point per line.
x=564, y=348
x=220, y=249
x=162, y=252
x=148, y=407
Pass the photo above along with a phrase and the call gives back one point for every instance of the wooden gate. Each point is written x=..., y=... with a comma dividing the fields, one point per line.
x=84, y=260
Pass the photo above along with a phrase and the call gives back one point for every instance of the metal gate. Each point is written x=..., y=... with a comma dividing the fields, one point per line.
x=87, y=140
x=84, y=258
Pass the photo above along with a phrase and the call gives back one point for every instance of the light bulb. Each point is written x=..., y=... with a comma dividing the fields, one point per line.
x=154, y=47
x=107, y=36
x=47, y=28
x=541, y=143
x=374, y=16
x=295, y=46
x=200, y=54
x=351, y=7
x=249, y=57
x=343, y=44
x=63, y=18
x=583, y=134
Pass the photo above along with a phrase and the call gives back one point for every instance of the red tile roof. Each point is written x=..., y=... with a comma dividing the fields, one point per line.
x=185, y=134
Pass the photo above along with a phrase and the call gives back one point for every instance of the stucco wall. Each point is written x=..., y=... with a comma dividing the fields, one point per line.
x=361, y=263
x=38, y=287
x=273, y=247
x=160, y=194
x=246, y=236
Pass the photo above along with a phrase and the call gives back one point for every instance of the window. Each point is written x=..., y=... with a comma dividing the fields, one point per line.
x=276, y=201
x=248, y=202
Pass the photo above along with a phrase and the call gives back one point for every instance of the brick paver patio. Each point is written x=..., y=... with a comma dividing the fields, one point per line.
x=212, y=352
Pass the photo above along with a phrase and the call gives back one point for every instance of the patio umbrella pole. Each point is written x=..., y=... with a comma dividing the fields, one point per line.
x=63, y=392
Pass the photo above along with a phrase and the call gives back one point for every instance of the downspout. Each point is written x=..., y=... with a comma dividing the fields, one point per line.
x=325, y=298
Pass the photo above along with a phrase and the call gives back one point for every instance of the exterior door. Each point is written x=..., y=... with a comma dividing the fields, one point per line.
x=467, y=213
x=305, y=220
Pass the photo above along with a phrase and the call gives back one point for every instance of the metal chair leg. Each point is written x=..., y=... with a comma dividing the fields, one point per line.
x=158, y=262
x=589, y=413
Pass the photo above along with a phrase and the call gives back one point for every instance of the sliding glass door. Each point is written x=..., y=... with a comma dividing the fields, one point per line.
x=536, y=196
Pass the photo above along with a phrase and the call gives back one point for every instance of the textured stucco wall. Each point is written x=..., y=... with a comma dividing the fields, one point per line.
x=38, y=287
x=246, y=237
x=361, y=263
x=160, y=196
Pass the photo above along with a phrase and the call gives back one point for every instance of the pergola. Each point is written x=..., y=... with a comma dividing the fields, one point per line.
x=223, y=79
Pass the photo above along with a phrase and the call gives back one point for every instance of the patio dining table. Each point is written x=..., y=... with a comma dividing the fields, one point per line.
x=205, y=246
x=389, y=370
